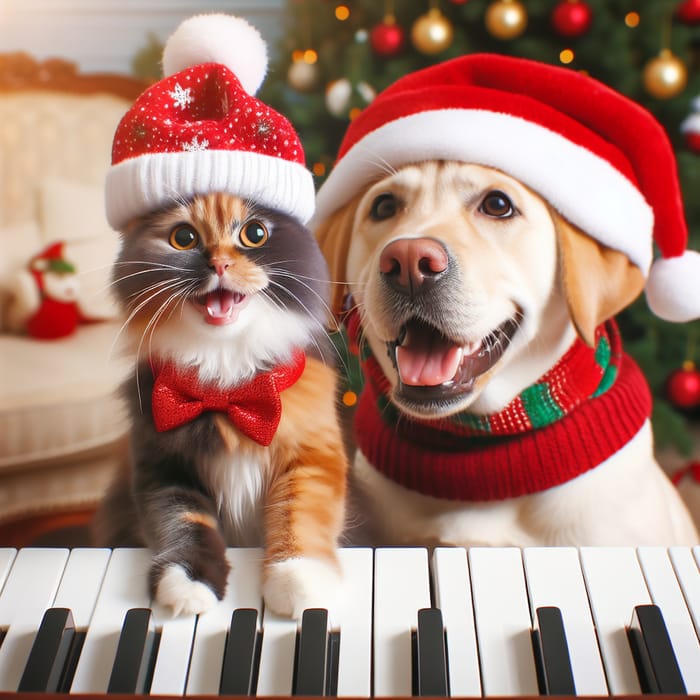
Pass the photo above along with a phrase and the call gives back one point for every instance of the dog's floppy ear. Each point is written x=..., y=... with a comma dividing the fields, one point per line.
x=333, y=236
x=598, y=282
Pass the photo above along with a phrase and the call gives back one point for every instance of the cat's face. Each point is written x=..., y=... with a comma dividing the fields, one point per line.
x=220, y=272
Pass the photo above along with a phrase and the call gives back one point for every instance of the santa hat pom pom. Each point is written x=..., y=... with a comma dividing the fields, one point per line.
x=673, y=287
x=218, y=38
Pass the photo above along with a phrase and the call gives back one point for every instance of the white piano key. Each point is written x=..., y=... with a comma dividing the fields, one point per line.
x=667, y=594
x=401, y=588
x=615, y=584
x=242, y=591
x=453, y=596
x=174, y=650
x=125, y=586
x=7, y=556
x=81, y=582
x=276, y=671
x=554, y=578
x=503, y=625
x=353, y=615
x=29, y=590
x=686, y=568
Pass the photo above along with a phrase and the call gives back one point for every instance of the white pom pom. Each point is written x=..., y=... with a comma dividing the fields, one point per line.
x=673, y=287
x=218, y=38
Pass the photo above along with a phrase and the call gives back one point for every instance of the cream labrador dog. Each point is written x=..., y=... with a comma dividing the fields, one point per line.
x=469, y=288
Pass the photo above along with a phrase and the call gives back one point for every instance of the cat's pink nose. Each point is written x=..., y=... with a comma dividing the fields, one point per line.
x=219, y=265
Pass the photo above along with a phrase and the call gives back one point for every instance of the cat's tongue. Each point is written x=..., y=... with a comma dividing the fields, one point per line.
x=427, y=360
x=222, y=306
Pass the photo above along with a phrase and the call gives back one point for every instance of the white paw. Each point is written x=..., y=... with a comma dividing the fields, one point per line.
x=176, y=590
x=293, y=585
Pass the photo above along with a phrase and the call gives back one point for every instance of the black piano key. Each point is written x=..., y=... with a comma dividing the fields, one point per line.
x=430, y=655
x=310, y=675
x=653, y=653
x=333, y=661
x=48, y=659
x=134, y=657
x=552, y=653
x=241, y=655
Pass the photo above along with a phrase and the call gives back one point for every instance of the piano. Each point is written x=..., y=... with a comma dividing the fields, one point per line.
x=480, y=621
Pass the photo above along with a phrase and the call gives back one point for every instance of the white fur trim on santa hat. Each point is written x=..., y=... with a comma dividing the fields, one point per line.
x=583, y=187
x=218, y=38
x=673, y=287
x=140, y=185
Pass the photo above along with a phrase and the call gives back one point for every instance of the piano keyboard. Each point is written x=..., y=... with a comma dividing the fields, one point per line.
x=454, y=621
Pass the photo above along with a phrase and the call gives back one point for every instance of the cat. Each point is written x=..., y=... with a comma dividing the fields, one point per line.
x=222, y=291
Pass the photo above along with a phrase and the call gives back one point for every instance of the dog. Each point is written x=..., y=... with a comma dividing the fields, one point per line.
x=466, y=288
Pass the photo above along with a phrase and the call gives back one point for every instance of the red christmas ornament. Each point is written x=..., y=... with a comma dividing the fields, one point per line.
x=459, y=2
x=683, y=386
x=688, y=12
x=388, y=38
x=572, y=18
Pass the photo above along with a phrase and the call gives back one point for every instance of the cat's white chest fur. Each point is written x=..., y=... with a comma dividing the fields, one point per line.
x=237, y=481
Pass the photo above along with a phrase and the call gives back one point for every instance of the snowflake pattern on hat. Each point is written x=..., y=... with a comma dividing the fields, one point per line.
x=213, y=112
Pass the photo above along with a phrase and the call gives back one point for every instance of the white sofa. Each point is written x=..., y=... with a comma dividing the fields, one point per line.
x=62, y=427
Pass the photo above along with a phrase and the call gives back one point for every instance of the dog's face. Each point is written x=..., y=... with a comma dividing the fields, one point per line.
x=460, y=277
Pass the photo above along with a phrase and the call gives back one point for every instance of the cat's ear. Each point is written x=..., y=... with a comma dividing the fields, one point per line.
x=333, y=235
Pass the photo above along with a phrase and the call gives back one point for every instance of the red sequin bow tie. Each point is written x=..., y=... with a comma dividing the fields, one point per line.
x=254, y=408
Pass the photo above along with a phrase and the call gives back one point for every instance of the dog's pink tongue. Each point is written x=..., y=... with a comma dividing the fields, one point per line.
x=428, y=362
x=220, y=303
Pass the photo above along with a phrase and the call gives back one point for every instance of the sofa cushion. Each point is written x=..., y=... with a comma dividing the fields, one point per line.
x=59, y=397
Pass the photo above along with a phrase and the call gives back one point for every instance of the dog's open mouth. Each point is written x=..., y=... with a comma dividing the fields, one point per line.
x=432, y=366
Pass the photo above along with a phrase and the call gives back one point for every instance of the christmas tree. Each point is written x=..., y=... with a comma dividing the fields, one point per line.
x=336, y=55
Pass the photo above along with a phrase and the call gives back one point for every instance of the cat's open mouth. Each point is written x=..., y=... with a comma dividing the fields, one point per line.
x=220, y=307
x=432, y=366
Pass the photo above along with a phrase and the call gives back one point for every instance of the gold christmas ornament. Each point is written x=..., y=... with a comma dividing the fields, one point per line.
x=432, y=32
x=506, y=19
x=665, y=76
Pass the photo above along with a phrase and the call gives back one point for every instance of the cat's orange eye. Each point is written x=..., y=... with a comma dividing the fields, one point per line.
x=253, y=234
x=184, y=237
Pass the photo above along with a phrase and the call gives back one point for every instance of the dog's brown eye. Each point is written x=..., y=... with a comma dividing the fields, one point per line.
x=497, y=205
x=384, y=207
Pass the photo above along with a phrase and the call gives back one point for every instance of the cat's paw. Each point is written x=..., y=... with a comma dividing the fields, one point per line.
x=293, y=585
x=177, y=591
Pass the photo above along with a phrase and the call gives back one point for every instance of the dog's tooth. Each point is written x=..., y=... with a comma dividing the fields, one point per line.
x=471, y=348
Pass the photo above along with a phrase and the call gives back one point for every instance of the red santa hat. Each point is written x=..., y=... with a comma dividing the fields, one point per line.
x=201, y=129
x=599, y=158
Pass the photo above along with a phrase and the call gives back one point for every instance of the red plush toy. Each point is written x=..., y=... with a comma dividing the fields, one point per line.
x=46, y=302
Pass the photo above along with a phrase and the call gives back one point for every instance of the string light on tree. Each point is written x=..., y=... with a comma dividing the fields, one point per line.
x=572, y=18
x=432, y=32
x=506, y=19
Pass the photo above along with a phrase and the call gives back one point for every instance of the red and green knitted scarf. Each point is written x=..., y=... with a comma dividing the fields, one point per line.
x=583, y=410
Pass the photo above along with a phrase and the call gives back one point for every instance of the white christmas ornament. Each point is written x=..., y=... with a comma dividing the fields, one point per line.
x=218, y=38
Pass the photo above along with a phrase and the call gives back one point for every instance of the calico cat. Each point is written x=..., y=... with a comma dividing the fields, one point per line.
x=221, y=293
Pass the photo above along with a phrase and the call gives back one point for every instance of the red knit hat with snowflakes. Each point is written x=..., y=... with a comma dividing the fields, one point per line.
x=600, y=159
x=201, y=129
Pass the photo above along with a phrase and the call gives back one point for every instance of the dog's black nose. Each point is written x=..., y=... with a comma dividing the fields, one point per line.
x=412, y=265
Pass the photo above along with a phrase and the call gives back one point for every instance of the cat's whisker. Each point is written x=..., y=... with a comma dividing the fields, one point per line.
x=311, y=315
x=281, y=273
